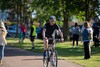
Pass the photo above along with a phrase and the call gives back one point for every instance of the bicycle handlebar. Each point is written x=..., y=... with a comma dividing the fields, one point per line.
x=54, y=39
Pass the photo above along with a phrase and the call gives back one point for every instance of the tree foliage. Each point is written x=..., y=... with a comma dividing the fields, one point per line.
x=60, y=8
x=64, y=9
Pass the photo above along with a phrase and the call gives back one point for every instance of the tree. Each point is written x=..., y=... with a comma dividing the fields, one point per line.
x=91, y=6
x=59, y=8
x=64, y=9
x=18, y=7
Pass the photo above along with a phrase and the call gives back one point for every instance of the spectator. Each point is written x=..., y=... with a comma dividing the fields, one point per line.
x=3, y=42
x=86, y=38
x=33, y=35
x=20, y=35
x=23, y=30
x=96, y=28
x=76, y=33
x=90, y=21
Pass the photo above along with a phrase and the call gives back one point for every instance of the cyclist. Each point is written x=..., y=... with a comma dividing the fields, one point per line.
x=48, y=31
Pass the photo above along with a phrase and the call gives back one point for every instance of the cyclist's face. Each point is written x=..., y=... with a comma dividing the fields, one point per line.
x=52, y=21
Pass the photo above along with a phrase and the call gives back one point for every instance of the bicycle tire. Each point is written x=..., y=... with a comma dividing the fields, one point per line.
x=46, y=60
x=55, y=59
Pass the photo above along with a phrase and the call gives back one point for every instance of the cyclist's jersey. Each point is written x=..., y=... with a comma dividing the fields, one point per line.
x=50, y=29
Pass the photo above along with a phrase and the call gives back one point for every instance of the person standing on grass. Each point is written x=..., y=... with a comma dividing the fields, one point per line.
x=3, y=42
x=23, y=30
x=87, y=36
x=20, y=35
x=96, y=32
x=33, y=34
x=76, y=33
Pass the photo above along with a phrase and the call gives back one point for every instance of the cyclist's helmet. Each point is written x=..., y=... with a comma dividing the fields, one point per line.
x=53, y=17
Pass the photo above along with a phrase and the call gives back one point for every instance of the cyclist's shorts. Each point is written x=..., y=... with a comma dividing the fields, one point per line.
x=50, y=42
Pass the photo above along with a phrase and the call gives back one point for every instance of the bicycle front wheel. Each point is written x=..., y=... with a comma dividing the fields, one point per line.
x=54, y=59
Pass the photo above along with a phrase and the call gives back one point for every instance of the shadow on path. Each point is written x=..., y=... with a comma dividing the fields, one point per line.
x=16, y=57
x=12, y=51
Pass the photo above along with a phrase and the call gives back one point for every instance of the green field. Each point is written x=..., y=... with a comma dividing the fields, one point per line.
x=65, y=51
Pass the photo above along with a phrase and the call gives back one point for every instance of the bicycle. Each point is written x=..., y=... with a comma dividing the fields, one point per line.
x=51, y=53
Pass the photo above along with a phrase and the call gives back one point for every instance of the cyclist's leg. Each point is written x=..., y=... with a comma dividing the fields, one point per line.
x=45, y=47
x=45, y=44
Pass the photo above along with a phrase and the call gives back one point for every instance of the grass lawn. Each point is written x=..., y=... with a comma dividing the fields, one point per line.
x=65, y=51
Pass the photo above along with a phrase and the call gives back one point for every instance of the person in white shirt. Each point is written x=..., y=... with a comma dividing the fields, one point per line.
x=3, y=42
x=76, y=33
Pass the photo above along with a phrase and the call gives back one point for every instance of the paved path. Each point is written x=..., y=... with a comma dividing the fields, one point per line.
x=15, y=57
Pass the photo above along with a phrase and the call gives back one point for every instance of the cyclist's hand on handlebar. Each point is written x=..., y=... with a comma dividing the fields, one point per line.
x=45, y=38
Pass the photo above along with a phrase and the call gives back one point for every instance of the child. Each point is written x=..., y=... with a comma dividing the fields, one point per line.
x=86, y=37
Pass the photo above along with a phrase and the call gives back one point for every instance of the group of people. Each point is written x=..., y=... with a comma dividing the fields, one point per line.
x=23, y=31
x=48, y=29
x=86, y=33
x=89, y=32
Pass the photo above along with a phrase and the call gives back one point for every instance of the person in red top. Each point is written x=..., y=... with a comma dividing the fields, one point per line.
x=23, y=30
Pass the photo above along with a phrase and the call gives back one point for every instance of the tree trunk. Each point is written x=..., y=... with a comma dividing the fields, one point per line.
x=66, y=27
x=86, y=9
x=20, y=10
x=66, y=17
x=17, y=22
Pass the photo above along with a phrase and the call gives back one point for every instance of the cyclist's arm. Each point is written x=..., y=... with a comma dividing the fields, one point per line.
x=43, y=32
x=60, y=33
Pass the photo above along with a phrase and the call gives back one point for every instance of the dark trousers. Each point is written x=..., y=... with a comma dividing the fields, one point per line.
x=87, y=50
x=1, y=52
x=24, y=34
x=75, y=38
x=95, y=39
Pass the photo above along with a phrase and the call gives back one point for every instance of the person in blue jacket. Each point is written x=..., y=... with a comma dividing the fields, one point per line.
x=87, y=36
